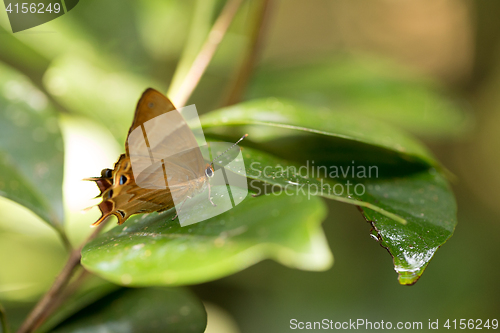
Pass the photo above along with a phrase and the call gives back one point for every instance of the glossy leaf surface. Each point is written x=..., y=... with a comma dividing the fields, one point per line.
x=31, y=148
x=154, y=250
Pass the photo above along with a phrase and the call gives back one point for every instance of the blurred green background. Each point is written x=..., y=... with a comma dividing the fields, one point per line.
x=386, y=59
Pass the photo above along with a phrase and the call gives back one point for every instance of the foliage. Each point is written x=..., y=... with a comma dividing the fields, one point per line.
x=342, y=112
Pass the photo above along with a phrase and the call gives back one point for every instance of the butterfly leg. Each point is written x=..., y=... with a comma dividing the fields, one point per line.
x=182, y=205
x=210, y=196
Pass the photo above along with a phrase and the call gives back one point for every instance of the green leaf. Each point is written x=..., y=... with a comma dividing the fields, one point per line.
x=264, y=167
x=422, y=199
x=272, y=118
x=154, y=250
x=370, y=86
x=31, y=149
x=21, y=56
x=141, y=310
x=426, y=201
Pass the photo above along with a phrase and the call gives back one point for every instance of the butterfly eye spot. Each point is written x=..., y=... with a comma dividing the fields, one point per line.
x=151, y=104
x=110, y=194
x=209, y=172
x=121, y=213
x=123, y=179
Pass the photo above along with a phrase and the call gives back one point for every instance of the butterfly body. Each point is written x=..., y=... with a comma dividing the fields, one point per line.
x=122, y=194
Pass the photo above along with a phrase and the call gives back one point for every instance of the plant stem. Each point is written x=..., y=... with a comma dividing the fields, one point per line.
x=3, y=320
x=198, y=32
x=207, y=52
x=66, y=293
x=39, y=311
x=254, y=49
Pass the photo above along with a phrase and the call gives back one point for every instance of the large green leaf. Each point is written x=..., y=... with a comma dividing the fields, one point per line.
x=154, y=250
x=271, y=118
x=296, y=179
x=274, y=124
x=141, y=310
x=369, y=86
x=425, y=200
x=21, y=56
x=422, y=198
x=31, y=148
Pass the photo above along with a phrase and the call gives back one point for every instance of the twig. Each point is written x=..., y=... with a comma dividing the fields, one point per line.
x=201, y=23
x=3, y=320
x=254, y=49
x=59, y=284
x=207, y=52
x=65, y=294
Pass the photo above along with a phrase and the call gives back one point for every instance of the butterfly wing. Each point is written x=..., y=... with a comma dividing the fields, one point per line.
x=124, y=198
x=158, y=140
x=151, y=104
x=161, y=145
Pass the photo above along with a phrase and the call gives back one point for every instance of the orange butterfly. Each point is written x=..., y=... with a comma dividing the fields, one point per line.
x=122, y=196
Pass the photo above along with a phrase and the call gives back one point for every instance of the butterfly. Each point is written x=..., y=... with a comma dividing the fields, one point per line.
x=139, y=183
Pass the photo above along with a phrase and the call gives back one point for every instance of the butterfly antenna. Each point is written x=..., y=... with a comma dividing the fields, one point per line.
x=228, y=149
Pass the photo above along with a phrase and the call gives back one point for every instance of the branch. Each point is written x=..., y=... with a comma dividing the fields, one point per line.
x=52, y=296
x=207, y=52
x=254, y=49
x=71, y=289
x=201, y=23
